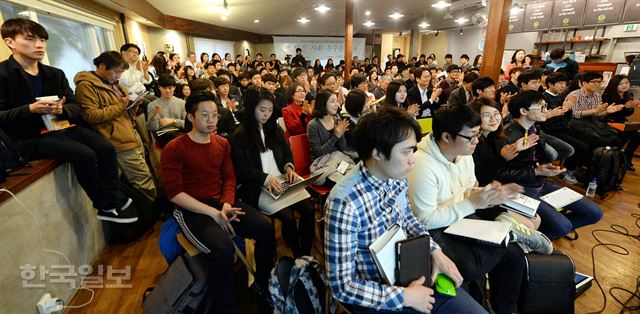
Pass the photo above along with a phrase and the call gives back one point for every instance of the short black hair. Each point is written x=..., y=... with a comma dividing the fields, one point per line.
x=590, y=76
x=126, y=47
x=111, y=59
x=470, y=77
x=201, y=84
x=269, y=78
x=12, y=27
x=527, y=76
x=453, y=67
x=214, y=62
x=166, y=80
x=523, y=100
x=244, y=75
x=191, y=103
x=556, y=53
x=324, y=77
x=219, y=81
x=556, y=77
x=450, y=56
x=253, y=73
x=357, y=79
x=516, y=70
x=297, y=72
x=465, y=56
x=354, y=102
x=298, y=49
x=322, y=98
x=453, y=119
x=417, y=72
x=382, y=130
x=481, y=83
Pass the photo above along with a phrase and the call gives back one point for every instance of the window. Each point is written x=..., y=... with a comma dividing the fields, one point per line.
x=73, y=43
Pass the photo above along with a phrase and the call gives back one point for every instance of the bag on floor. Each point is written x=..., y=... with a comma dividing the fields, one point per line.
x=181, y=289
x=169, y=245
x=608, y=167
x=548, y=284
x=333, y=166
x=299, y=286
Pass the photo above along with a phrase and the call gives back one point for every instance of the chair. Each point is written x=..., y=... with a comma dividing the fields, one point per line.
x=302, y=161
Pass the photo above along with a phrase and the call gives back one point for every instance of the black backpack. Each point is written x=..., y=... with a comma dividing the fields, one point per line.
x=9, y=156
x=608, y=167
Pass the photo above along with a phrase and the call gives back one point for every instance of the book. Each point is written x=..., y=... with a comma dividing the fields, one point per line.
x=561, y=197
x=383, y=251
x=522, y=204
x=484, y=231
x=413, y=257
x=51, y=121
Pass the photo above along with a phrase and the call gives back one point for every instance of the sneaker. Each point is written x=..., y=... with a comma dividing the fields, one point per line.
x=570, y=177
x=533, y=239
x=119, y=214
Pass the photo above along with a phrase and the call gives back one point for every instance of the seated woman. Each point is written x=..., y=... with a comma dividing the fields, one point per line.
x=615, y=94
x=298, y=113
x=326, y=131
x=396, y=96
x=261, y=156
x=224, y=99
x=356, y=104
x=166, y=115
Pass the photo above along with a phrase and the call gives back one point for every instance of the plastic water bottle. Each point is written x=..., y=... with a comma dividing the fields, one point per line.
x=591, y=190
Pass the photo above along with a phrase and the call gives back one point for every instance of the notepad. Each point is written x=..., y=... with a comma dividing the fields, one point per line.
x=51, y=121
x=522, y=204
x=484, y=231
x=561, y=198
x=383, y=251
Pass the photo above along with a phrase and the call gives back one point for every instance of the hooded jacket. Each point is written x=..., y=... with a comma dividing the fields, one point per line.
x=102, y=109
x=438, y=188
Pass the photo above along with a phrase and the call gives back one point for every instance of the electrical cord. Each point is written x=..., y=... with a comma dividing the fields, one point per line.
x=617, y=249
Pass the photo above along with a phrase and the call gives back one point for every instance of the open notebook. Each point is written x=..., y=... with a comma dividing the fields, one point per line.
x=483, y=231
x=383, y=251
x=522, y=204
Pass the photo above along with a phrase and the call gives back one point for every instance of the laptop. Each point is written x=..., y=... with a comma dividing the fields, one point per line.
x=287, y=188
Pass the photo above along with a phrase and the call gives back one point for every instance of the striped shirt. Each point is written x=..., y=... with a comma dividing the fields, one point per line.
x=359, y=210
x=585, y=102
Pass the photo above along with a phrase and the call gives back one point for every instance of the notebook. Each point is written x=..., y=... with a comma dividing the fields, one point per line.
x=413, y=258
x=522, y=204
x=561, y=198
x=484, y=231
x=51, y=121
x=383, y=251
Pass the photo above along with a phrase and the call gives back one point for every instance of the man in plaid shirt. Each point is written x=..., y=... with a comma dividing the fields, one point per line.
x=365, y=204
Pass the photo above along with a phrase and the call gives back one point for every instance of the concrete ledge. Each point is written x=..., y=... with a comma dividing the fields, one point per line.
x=54, y=230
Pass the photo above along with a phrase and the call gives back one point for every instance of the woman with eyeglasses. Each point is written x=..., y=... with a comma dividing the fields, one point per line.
x=262, y=159
x=298, y=113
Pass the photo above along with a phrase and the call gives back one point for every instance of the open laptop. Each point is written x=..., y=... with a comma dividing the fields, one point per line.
x=287, y=188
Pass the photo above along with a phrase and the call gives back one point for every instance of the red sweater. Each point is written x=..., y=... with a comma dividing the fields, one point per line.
x=294, y=120
x=203, y=171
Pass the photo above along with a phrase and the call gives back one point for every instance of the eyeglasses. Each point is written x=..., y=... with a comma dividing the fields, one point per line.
x=206, y=116
x=486, y=117
x=470, y=138
x=135, y=51
x=597, y=82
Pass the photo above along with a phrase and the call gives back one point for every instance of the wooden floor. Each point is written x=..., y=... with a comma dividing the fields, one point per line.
x=612, y=269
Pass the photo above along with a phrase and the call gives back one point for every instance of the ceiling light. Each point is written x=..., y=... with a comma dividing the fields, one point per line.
x=516, y=8
x=441, y=4
x=461, y=31
x=367, y=13
x=424, y=25
x=223, y=17
x=256, y=21
x=396, y=15
x=303, y=20
x=24, y=13
x=368, y=23
x=322, y=8
x=461, y=20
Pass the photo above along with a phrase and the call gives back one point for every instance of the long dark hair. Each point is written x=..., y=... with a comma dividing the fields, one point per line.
x=392, y=89
x=611, y=91
x=248, y=129
x=477, y=104
x=160, y=64
x=513, y=57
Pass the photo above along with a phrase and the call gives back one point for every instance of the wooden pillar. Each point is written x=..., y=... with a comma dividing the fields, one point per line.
x=348, y=38
x=495, y=38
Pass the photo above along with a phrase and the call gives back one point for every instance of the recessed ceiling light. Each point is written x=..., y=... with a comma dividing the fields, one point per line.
x=303, y=20
x=368, y=23
x=396, y=15
x=223, y=17
x=441, y=4
x=424, y=25
x=256, y=21
x=367, y=13
x=461, y=20
x=24, y=13
x=322, y=8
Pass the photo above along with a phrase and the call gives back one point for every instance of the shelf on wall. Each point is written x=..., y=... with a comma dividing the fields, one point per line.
x=551, y=42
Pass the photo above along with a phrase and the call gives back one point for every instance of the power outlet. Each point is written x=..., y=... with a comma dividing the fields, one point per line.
x=48, y=304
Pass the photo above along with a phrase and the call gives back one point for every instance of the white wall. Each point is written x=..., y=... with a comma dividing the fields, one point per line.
x=465, y=43
x=521, y=41
x=158, y=37
x=211, y=45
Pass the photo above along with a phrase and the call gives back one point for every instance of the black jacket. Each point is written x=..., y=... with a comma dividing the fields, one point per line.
x=414, y=98
x=248, y=165
x=487, y=159
x=521, y=169
x=15, y=96
x=457, y=97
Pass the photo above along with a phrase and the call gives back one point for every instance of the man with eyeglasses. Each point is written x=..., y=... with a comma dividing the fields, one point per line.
x=136, y=76
x=530, y=166
x=199, y=177
x=443, y=190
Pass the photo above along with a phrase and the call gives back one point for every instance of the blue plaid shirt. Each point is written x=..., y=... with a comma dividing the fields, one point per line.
x=359, y=210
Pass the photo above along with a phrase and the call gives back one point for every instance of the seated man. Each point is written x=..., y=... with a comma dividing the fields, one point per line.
x=23, y=79
x=226, y=123
x=199, y=178
x=166, y=112
x=423, y=94
x=443, y=190
x=368, y=201
x=528, y=168
x=463, y=94
x=105, y=104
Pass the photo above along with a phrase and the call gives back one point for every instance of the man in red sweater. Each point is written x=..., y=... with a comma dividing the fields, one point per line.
x=199, y=178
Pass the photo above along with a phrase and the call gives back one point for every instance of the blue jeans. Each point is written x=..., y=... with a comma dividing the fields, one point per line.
x=555, y=224
x=461, y=303
x=556, y=148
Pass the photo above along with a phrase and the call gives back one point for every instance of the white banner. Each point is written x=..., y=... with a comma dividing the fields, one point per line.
x=314, y=48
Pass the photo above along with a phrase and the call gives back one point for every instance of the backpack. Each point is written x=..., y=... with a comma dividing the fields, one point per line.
x=608, y=166
x=299, y=286
x=9, y=156
x=549, y=278
x=169, y=245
